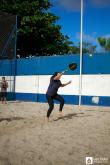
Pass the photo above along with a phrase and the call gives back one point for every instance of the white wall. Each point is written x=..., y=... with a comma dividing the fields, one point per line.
x=92, y=85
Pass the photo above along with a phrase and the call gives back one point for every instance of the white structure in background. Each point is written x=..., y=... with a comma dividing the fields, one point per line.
x=95, y=100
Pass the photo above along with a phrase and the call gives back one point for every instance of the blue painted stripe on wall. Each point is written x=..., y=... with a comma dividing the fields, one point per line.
x=46, y=65
x=103, y=101
x=69, y=99
x=98, y=63
x=7, y=67
x=27, y=66
x=42, y=98
x=52, y=64
x=26, y=97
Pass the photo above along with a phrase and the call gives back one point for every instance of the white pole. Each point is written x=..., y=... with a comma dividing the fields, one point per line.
x=81, y=47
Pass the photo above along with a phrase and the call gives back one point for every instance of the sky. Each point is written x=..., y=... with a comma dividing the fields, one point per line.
x=96, y=19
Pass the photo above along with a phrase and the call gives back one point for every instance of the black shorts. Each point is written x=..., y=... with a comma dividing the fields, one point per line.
x=3, y=94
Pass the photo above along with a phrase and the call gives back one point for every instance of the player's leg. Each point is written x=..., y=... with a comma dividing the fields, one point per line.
x=61, y=100
x=51, y=105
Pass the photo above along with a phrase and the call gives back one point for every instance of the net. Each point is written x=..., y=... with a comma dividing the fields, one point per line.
x=7, y=36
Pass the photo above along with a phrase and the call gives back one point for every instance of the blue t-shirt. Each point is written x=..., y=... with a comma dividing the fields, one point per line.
x=53, y=87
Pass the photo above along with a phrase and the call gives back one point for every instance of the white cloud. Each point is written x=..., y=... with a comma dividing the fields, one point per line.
x=75, y=5
x=88, y=38
x=106, y=36
x=70, y=5
x=100, y=3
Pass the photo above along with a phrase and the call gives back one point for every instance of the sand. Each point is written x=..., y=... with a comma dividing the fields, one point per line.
x=27, y=139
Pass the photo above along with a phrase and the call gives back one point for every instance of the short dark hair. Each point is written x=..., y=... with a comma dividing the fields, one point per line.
x=55, y=74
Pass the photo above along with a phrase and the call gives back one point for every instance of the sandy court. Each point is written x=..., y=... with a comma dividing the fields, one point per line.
x=27, y=139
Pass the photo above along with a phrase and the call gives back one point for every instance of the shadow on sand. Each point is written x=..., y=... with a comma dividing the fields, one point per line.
x=70, y=116
x=99, y=111
x=11, y=119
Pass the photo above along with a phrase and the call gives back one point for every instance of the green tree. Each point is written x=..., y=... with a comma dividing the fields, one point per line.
x=38, y=32
x=104, y=43
x=107, y=47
